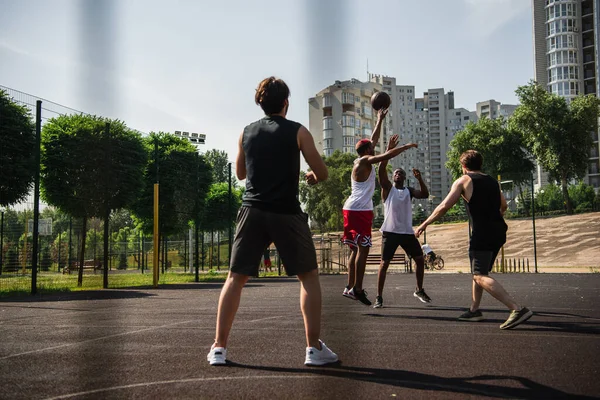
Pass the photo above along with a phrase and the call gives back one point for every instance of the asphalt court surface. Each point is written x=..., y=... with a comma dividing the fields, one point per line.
x=146, y=343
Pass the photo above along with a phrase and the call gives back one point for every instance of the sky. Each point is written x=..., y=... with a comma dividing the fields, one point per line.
x=194, y=65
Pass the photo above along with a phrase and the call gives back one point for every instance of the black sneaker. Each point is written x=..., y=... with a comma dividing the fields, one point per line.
x=378, y=302
x=471, y=316
x=517, y=317
x=421, y=295
x=360, y=296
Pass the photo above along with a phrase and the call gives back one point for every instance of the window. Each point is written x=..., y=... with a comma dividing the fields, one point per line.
x=347, y=120
x=349, y=140
x=466, y=118
x=327, y=143
x=348, y=131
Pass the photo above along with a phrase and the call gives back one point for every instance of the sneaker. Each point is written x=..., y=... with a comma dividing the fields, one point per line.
x=320, y=357
x=347, y=294
x=471, y=316
x=517, y=317
x=217, y=356
x=362, y=296
x=421, y=295
x=378, y=302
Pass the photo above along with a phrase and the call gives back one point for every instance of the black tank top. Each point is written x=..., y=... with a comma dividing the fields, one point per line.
x=489, y=228
x=272, y=165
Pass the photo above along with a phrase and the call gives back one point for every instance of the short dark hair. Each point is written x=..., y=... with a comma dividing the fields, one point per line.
x=472, y=160
x=271, y=95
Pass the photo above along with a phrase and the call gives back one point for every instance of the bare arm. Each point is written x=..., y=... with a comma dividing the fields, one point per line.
x=503, y=205
x=423, y=192
x=388, y=154
x=240, y=161
x=450, y=200
x=306, y=144
x=377, y=130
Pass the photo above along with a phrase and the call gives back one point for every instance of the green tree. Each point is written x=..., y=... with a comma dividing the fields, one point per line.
x=184, y=178
x=323, y=202
x=501, y=147
x=86, y=171
x=549, y=198
x=216, y=214
x=582, y=196
x=218, y=160
x=17, y=146
x=557, y=133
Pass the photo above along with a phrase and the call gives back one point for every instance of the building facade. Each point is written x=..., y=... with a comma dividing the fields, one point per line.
x=566, y=36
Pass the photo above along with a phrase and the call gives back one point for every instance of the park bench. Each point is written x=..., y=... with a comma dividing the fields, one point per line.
x=87, y=264
x=399, y=259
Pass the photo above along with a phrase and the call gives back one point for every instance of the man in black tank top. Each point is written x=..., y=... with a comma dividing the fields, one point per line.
x=269, y=159
x=486, y=205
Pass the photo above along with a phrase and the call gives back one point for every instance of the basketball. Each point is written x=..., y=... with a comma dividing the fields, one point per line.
x=380, y=100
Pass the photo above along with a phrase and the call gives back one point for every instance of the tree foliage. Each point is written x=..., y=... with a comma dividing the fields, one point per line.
x=217, y=216
x=501, y=147
x=324, y=201
x=184, y=178
x=84, y=170
x=557, y=133
x=218, y=160
x=17, y=150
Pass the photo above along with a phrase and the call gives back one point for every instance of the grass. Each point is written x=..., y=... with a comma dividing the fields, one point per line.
x=58, y=283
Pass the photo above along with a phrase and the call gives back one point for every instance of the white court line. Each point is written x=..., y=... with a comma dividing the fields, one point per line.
x=93, y=340
x=368, y=379
x=264, y=319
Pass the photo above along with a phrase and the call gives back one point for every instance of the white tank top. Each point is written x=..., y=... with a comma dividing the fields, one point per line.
x=361, y=198
x=398, y=212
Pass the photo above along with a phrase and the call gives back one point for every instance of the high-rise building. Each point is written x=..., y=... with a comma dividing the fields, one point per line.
x=341, y=114
x=566, y=37
x=493, y=109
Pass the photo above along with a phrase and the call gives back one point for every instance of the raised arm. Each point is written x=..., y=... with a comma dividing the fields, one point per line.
x=450, y=200
x=422, y=192
x=388, y=154
x=377, y=130
x=306, y=144
x=384, y=180
x=240, y=161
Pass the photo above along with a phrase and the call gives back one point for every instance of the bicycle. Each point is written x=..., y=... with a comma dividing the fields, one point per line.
x=434, y=262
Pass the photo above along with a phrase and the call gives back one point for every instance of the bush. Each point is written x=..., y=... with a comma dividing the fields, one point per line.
x=11, y=263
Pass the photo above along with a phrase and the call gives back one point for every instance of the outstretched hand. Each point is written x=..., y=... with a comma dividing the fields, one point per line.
x=417, y=173
x=382, y=113
x=393, y=142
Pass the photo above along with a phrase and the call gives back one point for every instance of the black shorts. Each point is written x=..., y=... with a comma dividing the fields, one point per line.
x=390, y=242
x=482, y=261
x=290, y=233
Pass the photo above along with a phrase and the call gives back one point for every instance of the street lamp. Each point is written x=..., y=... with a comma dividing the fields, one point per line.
x=196, y=139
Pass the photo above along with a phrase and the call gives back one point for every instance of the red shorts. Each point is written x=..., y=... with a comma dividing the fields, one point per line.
x=357, y=228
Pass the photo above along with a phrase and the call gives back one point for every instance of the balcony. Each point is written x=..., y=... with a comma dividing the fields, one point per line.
x=328, y=134
x=326, y=101
x=347, y=98
x=327, y=123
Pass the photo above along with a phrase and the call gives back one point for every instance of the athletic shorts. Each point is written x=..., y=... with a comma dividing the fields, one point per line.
x=390, y=242
x=290, y=233
x=357, y=228
x=482, y=261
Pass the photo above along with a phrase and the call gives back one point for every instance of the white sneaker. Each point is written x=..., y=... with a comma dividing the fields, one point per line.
x=217, y=356
x=348, y=293
x=320, y=357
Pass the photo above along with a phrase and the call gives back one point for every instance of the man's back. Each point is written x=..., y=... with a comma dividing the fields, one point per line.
x=489, y=228
x=272, y=164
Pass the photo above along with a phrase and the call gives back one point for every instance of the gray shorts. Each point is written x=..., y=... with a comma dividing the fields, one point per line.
x=256, y=229
x=482, y=261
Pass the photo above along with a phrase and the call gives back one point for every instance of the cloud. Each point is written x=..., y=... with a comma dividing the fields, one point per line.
x=487, y=16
